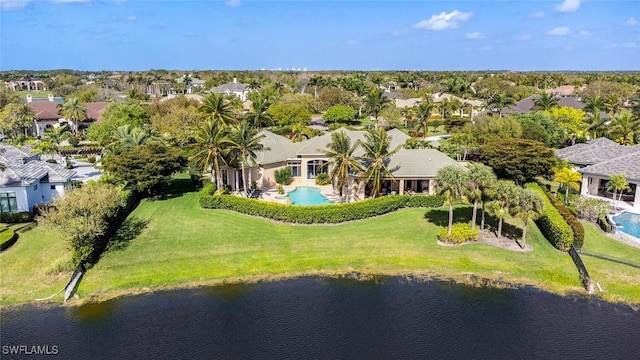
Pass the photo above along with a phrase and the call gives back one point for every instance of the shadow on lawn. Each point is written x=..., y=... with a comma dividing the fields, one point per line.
x=440, y=217
x=177, y=188
x=128, y=231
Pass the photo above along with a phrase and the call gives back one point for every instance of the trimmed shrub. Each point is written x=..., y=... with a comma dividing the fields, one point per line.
x=323, y=179
x=604, y=224
x=51, y=161
x=553, y=226
x=460, y=233
x=283, y=176
x=319, y=214
x=209, y=189
x=91, y=159
x=15, y=217
x=7, y=238
x=74, y=141
x=570, y=218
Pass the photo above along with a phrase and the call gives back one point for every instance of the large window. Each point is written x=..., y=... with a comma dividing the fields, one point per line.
x=296, y=168
x=315, y=167
x=8, y=202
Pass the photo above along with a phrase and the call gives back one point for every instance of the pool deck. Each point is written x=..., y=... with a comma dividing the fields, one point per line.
x=272, y=194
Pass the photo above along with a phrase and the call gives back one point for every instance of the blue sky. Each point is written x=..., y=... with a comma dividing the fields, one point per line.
x=320, y=35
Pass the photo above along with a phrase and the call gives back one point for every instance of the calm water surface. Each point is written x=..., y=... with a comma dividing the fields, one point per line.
x=312, y=318
x=303, y=195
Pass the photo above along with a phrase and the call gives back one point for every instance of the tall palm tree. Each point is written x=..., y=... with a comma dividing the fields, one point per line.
x=545, y=102
x=17, y=116
x=215, y=108
x=126, y=136
x=301, y=131
x=528, y=204
x=597, y=125
x=623, y=127
x=244, y=142
x=375, y=102
x=614, y=104
x=500, y=102
x=74, y=110
x=211, y=142
x=452, y=181
x=422, y=116
x=568, y=178
x=505, y=197
x=594, y=105
x=377, y=151
x=56, y=135
x=258, y=114
x=481, y=178
x=342, y=162
x=618, y=183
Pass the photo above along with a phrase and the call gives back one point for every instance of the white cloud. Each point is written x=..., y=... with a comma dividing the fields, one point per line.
x=131, y=18
x=584, y=33
x=563, y=30
x=351, y=42
x=444, y=21
x=568, y=6
x=70, y=1
x=537, y=15
x=631, y=22
x=626, y=45
x=525, y=37
x=475, y=36
x=234, y=3
x=6, y=5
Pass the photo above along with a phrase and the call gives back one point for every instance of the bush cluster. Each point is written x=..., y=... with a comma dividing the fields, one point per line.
x=320, y=214
x=570, y=218
x=593, y=210
x=552, y=224
x=459, y=233
x=15, y=217
x=7, y=238
x=283, y=176
x=323, y=179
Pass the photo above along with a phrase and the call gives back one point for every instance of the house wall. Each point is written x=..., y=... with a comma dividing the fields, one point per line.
x=21, y=197
x=34, y=195
x=49, y=194
x=268, y=174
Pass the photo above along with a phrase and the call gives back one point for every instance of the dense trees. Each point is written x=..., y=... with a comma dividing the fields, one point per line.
x=115, y=115
x=518, y=159
x=452, y=182
x=74, y=110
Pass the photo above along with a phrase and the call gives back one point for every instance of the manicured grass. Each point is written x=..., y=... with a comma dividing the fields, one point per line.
x=34, y=94
x=174, y=243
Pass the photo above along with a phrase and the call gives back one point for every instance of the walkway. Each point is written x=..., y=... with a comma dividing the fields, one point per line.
x=85, y=171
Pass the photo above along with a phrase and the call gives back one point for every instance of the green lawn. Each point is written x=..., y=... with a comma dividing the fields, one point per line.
x=174, y=242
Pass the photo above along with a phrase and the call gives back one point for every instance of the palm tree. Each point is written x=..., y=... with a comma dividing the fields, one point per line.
x=254, y=85
x=500, y=102
x=452, y=181
x=375, y=102
x=481, y=179
x=17, y=116
x=301, y=131
x=596, y=124
x=568, y=178
x=614, y=104
x=422, y=115
x=505, y=198
x=259, y=115
x=342, y=162
x=594, y=105
x=215, y=108
x=72, y=109
x=244, y=142
x=528, y=204
x=618, y=183
x=211, y=141
x=622, y=128
x=126, y=137
x=57, y=135
x=545, y=102
x=376, y=158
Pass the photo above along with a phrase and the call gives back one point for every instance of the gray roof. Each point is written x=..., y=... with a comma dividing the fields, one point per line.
x=280, y=148
x=12, y=154
x=33, y=171
x=231, y=87
x=314, y=145
x=525, y=105
x=595, y=152
x=419, y=163
x=627, y=164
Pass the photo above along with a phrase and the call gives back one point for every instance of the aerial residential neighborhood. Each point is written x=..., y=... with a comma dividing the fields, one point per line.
x=319, y=180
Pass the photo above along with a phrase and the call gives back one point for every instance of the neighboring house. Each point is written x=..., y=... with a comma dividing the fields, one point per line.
x=526, y=105
x=413, y=170
x=27, y=181
x=233, y=88
x=29, y=85
x=193, y=83
x=47, y=116
x=599, y=158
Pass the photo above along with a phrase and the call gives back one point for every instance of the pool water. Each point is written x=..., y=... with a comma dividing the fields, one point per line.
x=630, y=223
x=307, y=196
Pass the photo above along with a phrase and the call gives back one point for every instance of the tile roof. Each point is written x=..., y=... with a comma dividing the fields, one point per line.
x=627, y=164
x=594, y=152
x=95, y=109
x=44, y=110
x=231, y=87
x=17, y=174
x=419, y=163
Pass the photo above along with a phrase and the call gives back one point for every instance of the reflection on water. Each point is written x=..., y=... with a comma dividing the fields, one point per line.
x=332, y=319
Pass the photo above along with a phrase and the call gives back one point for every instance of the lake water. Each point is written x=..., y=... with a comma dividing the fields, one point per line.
x=311, y=318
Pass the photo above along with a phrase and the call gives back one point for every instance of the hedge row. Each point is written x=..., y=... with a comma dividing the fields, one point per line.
x=320, y=214
x=15, y=217
x=570, y=218
x=7, y=238
x=552, y=224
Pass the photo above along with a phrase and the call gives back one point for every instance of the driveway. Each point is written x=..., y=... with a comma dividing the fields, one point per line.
x=85, y=171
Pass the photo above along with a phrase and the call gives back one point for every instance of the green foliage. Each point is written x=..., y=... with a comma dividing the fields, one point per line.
x=91, y=159
x=280, y=189
x=60, y=265
x=332, y=213
x=488, y=129
x=287, y=114
x=552, y=224
x=590, y=209
x=340, y=113
x=145, y=168
x=283, y=176
x=7, y=237
x=323, y=179
x=460, y=233
x=518, y=159
x=116, y=115
x=15, y=217
x=74, y=141
x=569, y=217
x=51, y=161
x=85, y=216
x=209, y=189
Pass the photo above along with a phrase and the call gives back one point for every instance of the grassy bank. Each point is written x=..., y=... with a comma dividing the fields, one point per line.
x=174, y=243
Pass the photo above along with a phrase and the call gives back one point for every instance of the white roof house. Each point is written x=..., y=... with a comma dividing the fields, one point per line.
x=233, y=88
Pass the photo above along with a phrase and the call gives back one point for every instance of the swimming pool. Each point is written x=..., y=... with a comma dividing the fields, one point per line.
x=302, y=195
x=630, y=223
